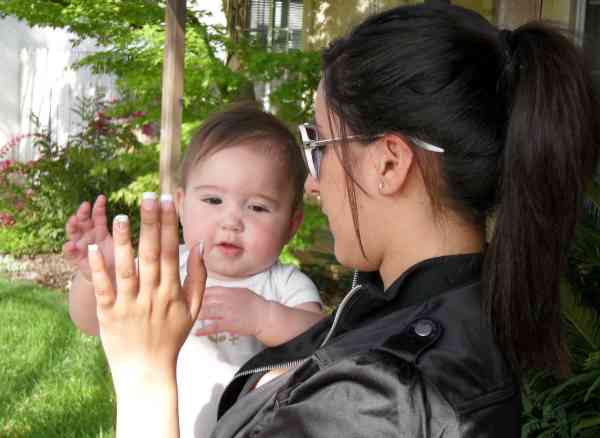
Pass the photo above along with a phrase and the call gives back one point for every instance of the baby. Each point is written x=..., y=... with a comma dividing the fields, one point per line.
x=240, y=193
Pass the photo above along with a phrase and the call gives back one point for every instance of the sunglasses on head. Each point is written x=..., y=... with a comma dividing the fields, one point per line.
x=314, y=147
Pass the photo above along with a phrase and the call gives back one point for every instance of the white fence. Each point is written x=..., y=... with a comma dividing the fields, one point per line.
x=37, y=79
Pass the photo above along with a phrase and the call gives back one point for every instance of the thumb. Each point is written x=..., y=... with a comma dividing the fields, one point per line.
x=195, y=282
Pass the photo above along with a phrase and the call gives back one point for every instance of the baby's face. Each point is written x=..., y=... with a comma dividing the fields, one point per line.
x=239, y=201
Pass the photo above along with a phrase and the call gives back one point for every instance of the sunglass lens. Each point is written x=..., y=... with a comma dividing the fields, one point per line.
x=316, y=155
x=311, y=132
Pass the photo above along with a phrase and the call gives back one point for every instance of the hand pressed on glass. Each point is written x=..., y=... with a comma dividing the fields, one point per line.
x=144, y=322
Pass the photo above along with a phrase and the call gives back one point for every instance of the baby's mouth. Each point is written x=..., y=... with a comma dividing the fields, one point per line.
x=229, y=249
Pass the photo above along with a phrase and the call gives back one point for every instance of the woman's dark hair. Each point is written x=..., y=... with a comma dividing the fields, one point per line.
x=519, y=121
x=243, y=122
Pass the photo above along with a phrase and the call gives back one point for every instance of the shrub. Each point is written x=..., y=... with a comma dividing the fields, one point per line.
x=105, y=156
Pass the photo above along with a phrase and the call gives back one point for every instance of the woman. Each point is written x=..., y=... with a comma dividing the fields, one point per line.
x=429, y=121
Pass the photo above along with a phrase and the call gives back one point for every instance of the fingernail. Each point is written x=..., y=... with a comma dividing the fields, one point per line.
x=201, y=248
x=121, y=221
x=166, y=198
x=93, y=248
x=148, y=199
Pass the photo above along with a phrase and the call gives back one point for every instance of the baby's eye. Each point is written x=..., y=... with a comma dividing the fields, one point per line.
x=258, y=208
x=212, y=200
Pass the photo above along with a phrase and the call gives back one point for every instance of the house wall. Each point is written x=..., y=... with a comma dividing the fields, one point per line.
x=37, y=80
x=327, y=19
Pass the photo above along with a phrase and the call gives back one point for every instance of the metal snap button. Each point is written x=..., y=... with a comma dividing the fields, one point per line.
x=423, y=327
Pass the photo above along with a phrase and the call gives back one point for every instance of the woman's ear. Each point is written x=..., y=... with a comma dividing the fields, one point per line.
x=393, y=159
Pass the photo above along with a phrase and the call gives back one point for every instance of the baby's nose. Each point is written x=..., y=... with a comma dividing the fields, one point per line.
x=232, y=220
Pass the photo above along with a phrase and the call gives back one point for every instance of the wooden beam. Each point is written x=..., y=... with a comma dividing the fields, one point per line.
x=513, y=13
x=172, y=94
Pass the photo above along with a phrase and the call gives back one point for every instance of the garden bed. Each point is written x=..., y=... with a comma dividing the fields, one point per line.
x=49, y=270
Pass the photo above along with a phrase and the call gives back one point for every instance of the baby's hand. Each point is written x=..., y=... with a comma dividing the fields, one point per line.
x=238, y=311
x=84, y=229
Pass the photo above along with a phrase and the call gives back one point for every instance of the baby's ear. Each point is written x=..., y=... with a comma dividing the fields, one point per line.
x=295, y=222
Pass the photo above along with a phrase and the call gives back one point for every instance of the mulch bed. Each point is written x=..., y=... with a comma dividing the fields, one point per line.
x=49, y=270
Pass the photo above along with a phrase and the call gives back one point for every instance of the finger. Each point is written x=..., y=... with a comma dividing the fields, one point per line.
x=103, y=288
x=169, y=244
x=83, y=216
x=83, y=243
x=211, y=310
x=149, y=252
x=99, y=221
x=195, y=282
x=210, y=329
x=126, y=277
x=72, y=228
x=70, y=253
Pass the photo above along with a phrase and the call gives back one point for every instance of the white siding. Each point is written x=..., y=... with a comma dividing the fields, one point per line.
x=37, y=79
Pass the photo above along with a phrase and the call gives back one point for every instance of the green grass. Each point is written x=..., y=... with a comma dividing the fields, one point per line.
x=54, y=381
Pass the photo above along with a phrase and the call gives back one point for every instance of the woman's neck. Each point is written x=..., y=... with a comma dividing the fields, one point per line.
x=442, y=238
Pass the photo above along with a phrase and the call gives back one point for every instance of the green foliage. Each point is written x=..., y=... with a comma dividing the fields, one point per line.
x=104, y=157
x=131, y=33
x=571, y=407
x=132, y=39
x=314, y=221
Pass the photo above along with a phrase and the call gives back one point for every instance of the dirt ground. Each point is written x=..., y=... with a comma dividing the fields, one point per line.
x=49, y=270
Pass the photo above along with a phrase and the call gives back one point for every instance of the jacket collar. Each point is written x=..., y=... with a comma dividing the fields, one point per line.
x=418, y=284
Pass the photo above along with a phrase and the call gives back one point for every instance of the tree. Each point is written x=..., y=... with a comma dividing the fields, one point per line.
x=131, y=36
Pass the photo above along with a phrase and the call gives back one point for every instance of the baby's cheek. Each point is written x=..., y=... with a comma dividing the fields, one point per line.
x=268, y=241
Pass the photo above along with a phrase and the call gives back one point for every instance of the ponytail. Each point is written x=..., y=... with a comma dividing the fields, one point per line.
x=550, y=152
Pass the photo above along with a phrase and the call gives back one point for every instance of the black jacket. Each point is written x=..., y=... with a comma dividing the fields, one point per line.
x=416, y=360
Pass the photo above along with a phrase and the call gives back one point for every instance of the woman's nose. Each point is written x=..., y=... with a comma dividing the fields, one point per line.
x=311, y=187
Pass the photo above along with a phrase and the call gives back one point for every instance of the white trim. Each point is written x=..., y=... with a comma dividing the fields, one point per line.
x=579, y=24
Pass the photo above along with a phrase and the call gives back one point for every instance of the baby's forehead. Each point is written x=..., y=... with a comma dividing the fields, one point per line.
x=270, y=174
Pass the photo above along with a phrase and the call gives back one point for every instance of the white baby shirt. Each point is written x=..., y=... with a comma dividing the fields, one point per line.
x=207, y=364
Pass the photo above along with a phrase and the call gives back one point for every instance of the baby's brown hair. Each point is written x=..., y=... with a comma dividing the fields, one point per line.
x=243, y=122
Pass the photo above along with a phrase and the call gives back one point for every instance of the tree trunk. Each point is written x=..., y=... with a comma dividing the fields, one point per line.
x=172, y=94
x=236, y=12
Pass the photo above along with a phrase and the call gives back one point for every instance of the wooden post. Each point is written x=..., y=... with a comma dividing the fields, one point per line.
x=172, y=94
x=513, y=13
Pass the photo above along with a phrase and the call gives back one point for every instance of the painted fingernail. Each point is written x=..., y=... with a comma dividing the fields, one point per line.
x=148, y=199
x=166, y=198
x=201, y=248
x=121, y=221
x=93, y=248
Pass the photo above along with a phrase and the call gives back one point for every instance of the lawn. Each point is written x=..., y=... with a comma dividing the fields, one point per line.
x=54, y=381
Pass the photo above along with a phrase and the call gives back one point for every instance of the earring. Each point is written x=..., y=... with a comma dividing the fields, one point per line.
x=381, y=186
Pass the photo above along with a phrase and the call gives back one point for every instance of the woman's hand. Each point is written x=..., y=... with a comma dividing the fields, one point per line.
x=144, y=323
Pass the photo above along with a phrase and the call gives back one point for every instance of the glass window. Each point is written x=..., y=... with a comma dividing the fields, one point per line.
x=277, y=24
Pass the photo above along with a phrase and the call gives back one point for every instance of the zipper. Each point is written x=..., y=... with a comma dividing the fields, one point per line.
x=294, y=363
